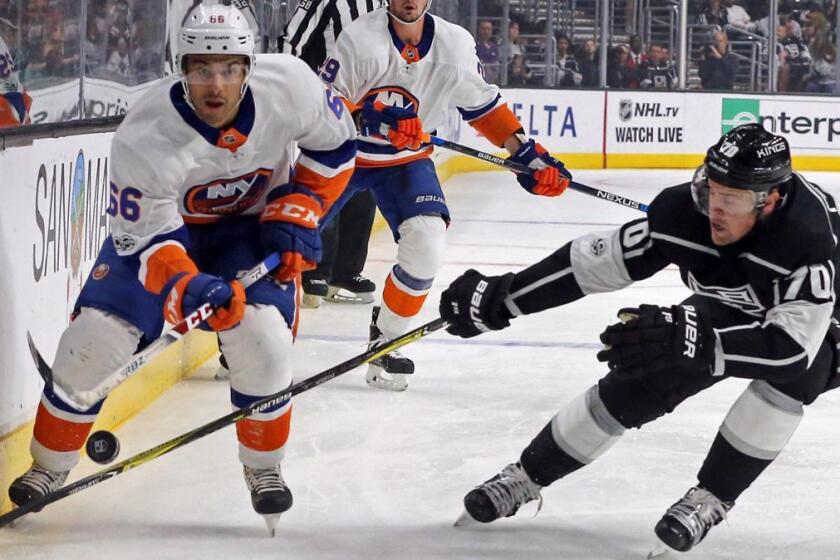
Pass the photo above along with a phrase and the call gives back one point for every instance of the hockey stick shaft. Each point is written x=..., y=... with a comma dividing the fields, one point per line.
x=86, y=399
x=227, y=420
x=520, y=168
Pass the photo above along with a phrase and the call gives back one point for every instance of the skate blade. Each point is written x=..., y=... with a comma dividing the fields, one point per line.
x=465, y=520
x=222, y=374
x=660, y=550
x=271, y=522
x=340, y=295
x=396, y=381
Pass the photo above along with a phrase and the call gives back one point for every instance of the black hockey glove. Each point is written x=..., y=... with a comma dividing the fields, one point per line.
x=475, y=303
x=653, y=338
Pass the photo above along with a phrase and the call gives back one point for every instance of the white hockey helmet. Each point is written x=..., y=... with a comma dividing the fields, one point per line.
x=426, y=9
x=215, y=29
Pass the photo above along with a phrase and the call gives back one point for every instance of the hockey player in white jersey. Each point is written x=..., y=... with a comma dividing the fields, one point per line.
x=14, y=101
x=201, y=190
x=400, y=70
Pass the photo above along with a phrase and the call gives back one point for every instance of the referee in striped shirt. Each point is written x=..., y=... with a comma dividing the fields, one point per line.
x=315, y=25
x=310, y=34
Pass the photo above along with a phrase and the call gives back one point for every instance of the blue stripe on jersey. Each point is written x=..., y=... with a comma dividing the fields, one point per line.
x=241, y=400
x=243, y=123
x=417, y=284
x=64, y=407
x=370, y=148
x=472, y=114
x=334, y=158
x=16, y=100
x=425, y=43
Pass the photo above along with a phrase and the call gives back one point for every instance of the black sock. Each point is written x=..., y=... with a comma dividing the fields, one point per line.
x=727, y=472
x=544, y=461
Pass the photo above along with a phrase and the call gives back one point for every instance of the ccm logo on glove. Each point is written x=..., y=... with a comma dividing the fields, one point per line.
x=290, y=212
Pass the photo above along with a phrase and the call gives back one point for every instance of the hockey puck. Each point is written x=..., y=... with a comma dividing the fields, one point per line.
x=102, y=447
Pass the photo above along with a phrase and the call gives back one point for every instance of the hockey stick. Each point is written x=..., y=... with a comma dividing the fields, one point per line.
x=219, y=423
x=520, y=168
x=86, y=399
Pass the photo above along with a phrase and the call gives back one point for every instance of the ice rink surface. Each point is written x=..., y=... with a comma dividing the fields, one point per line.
x=379, y=475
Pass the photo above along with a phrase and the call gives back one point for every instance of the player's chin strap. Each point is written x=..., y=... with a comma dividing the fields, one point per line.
x=428, y=6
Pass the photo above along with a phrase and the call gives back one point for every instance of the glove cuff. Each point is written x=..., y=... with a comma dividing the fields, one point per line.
x=298, y=206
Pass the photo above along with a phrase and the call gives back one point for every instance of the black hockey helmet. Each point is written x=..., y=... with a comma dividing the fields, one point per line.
x=747, y=157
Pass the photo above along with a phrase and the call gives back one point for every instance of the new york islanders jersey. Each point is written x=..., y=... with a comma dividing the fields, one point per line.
x=169, y=168
x=14, y=101
x=371, y=63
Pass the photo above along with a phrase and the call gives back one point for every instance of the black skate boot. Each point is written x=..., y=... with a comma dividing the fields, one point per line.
x=501, y=496
x=269, y=494
x=314, y=290
x=389, y=370
x=36, y=483
x=688, y=521
x=351, y=289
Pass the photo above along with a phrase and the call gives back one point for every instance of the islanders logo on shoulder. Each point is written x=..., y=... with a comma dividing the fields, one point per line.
x=227, y=197
x=394, y=96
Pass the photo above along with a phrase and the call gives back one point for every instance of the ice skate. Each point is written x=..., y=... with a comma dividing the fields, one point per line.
x=501, y=496
x=36, y=483
x=314, y=291
x=688, y=521
x=353, y=289
x=390, y=370
x=269, y=494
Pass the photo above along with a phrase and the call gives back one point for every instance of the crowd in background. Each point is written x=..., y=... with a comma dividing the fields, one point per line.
x=806, y=50
x=52, y=42
x=49, y=42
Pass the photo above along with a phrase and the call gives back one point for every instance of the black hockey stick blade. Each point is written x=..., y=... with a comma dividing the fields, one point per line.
x=223, y=421
x=44, y=369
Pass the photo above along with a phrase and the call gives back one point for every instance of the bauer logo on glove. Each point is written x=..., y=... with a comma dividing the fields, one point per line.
x=652, y=338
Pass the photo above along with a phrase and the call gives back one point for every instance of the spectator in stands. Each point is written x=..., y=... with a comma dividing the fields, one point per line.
x=122, y=26
x=657, y=72
x=487, y=50
x=718, y=63
x=589, y=64
x=635, y=59
x=822, y=77
x=14, y=101
x=567, y=70
x=518, y=72
x=737, y=16
x=713, y=14
x=119, y=64
x=616, y=64
x=515, y=44
x=794, y=58
x=788, y=16
x=147, y=58
x=94, y=48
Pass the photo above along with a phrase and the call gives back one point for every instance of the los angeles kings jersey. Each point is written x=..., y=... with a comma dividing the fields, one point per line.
x=168, y=167
x=371, y=63
x=782, y=275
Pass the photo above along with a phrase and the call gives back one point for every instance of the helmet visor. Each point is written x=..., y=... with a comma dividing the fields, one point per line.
x=720, y=199
x=202, y=73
